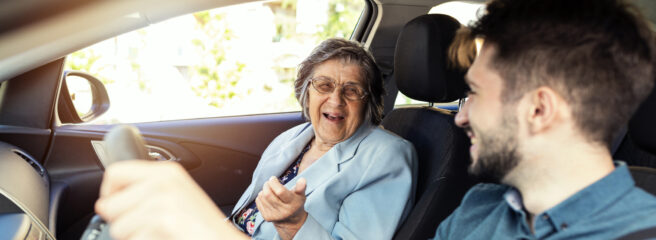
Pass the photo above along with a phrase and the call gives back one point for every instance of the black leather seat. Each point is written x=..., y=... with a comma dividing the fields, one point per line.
x=422, y=73
x=642, y=133
x=637, y=145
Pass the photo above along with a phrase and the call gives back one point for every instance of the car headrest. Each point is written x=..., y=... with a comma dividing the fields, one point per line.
x=642, y=127
x=421, y=65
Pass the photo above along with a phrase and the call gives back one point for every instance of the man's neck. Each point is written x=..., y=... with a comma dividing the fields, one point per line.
x=549, y=178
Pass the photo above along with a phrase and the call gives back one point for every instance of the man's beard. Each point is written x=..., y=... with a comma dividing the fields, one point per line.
x=497, y=152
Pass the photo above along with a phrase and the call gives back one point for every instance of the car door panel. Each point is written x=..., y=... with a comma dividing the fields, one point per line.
x=219, y=153
x=225, y=173
x=228, y=148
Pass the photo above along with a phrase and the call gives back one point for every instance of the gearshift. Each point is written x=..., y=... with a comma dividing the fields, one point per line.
x=123, y=142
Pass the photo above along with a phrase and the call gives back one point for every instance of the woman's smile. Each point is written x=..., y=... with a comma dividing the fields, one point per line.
x=334, y=117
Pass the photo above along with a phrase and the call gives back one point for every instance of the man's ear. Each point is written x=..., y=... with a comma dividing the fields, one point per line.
x=543, y=109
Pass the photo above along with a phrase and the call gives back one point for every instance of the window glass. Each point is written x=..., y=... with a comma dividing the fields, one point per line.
x=465, y=13
x=234, y=60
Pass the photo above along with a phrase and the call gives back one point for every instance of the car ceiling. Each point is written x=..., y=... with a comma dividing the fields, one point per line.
x=29, y=43
x=34, y=32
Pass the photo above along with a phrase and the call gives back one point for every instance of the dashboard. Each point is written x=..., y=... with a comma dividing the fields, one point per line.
x=24, y=195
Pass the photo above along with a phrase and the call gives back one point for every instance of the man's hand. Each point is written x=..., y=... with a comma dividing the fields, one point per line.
x=158, y=200
x=282, y=207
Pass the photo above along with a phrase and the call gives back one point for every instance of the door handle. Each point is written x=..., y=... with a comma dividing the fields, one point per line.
x=154, y=152
x=160, y=154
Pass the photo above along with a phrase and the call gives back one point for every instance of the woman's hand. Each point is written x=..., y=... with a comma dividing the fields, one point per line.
x=282, y=207
x=159, y=200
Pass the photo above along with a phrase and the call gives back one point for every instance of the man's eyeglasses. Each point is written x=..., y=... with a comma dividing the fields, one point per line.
x=326, y=85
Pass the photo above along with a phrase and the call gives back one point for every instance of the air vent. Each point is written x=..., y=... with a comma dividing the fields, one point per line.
x=37, y=167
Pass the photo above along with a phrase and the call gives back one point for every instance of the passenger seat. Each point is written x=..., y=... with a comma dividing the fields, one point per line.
x=422, y=73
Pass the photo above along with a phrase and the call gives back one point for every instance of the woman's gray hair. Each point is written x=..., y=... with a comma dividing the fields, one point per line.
x=349, y=52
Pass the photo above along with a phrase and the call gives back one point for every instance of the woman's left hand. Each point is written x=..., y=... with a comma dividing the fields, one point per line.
x=282, y=207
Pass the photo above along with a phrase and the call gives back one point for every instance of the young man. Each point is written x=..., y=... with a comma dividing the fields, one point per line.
x=555, y=79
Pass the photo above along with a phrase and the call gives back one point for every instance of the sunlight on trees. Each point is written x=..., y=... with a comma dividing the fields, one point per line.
x=233, y=60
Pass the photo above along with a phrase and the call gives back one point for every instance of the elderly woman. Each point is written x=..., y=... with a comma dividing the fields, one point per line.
x=340, y=176
x=359, y=176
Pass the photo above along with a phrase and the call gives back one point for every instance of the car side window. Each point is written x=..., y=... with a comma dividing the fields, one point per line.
x=465, y=13
x=234, y=60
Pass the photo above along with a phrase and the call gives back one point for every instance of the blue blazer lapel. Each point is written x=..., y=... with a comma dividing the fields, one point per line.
x=328, y=165
x=317, y=174
x=276, y=163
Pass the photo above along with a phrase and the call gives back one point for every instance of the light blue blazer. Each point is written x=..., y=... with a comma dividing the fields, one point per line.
x=362, y=188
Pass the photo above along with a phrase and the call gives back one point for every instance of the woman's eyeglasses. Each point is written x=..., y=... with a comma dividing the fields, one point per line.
x=326, y=85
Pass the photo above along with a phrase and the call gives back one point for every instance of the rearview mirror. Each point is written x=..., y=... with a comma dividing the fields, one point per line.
x=82, y=98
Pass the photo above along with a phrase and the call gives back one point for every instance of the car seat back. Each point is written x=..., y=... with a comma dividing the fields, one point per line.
x=640, y=144
x=422, y=72
x=642, y=133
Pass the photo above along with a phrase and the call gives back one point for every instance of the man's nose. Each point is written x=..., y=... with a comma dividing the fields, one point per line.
x=462, y=117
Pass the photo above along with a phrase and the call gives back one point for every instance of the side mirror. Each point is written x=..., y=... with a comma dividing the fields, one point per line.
x=82, y=98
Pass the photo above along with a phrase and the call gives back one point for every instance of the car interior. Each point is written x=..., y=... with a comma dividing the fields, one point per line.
x=421, y=72
x=51, y=163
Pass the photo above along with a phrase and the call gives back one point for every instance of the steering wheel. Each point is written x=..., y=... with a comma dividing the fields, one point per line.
x=123, y=142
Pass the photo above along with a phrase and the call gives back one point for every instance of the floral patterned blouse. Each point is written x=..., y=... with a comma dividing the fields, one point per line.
x=246, y=218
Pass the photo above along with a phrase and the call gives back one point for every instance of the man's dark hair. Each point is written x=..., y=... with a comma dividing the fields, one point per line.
x=597, y=54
